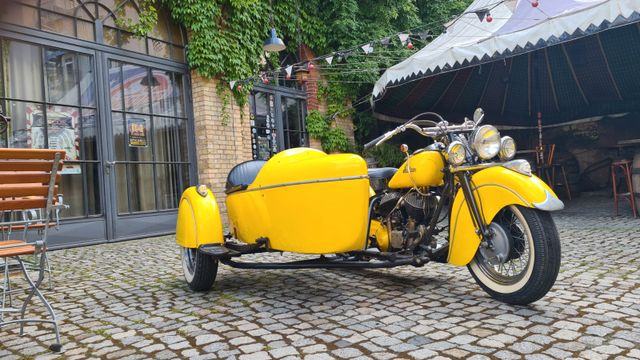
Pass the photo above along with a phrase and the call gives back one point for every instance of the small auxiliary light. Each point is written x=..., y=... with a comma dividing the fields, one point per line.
x=404, y=148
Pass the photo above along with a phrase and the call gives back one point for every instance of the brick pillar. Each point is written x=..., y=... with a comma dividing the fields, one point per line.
x=219, y=147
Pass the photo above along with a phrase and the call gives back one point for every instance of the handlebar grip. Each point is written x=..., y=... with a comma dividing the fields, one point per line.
x=374, y=141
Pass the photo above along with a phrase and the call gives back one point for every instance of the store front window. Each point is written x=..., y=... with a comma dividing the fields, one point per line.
x=51, y=102
x=277, y=121
x=120, y=112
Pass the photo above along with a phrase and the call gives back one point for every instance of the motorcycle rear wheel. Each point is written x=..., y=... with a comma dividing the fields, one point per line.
x=533, y=260
x=200, y=270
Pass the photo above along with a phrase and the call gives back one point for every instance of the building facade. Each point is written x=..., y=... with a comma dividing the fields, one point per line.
x=137, y=125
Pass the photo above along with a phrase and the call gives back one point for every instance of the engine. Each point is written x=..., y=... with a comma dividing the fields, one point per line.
x=407, y=216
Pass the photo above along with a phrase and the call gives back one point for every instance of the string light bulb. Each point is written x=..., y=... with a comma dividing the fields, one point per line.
x=410, y=45
x=535, y=3
x=489, y=17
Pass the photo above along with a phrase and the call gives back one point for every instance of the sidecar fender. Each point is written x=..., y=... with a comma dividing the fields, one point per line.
x=494, y=188
x=199, y=220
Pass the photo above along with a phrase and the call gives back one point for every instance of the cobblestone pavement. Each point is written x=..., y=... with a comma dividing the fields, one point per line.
x=128, y=300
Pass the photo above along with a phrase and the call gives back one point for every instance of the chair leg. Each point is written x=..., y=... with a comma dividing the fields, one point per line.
x=566, y=182
x=632, y=200
x=36, y=291
x=615, y=190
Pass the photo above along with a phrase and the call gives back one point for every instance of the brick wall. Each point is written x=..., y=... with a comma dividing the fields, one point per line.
x=218, y=147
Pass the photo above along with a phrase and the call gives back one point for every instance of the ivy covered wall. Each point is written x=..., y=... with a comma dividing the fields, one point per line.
x=226, y=40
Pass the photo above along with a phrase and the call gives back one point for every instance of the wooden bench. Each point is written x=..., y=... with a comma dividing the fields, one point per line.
x=29, y=179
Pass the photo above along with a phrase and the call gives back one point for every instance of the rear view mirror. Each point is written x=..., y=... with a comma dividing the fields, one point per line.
x=478, y=115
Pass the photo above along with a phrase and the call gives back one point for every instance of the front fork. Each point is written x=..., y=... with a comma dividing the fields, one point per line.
x=482, y=229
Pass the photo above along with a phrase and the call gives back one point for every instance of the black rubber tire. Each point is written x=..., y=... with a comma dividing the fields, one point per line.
x=546, y=263
x=204, y=267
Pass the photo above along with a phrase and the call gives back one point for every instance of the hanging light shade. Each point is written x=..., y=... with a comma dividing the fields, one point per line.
x=273, y=43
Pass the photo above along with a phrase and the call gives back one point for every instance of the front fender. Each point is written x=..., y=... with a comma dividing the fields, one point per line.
x=199, y=220
x=494, y=188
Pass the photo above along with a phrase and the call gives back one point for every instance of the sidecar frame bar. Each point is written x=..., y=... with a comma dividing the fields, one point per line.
x=326, y=263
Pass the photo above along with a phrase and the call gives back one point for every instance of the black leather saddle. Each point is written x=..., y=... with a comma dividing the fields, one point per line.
x=382, y=173
x=242, y=175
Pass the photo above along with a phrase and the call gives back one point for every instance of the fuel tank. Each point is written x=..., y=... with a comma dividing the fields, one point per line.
x=422, y=169
x=304, y=201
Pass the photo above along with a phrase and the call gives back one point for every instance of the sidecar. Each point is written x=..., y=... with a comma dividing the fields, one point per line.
x=301, y=200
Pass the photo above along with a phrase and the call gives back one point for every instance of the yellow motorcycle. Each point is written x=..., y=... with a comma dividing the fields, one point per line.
x=451, y=202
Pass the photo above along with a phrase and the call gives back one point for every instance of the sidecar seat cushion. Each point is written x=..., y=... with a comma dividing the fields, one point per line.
x=242, y=175
x=382, y=173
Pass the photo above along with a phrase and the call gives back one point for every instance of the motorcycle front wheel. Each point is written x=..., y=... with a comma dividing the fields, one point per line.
x=200, y=270
x=523, y=261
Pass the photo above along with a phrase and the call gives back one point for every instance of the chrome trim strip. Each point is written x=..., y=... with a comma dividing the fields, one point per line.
x=473, y=167
x=293, y=183
x=551, y=203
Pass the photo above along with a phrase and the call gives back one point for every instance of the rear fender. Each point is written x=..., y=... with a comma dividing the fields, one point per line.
x=199, y=220
x=494, y=188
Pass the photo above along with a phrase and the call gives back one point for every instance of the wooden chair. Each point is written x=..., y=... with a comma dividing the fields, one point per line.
x=549, y=167
x=29, y=179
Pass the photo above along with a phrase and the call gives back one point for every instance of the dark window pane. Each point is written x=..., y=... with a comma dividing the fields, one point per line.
x=142, y=187
x=184, y=174
x=117, y=121
x=110, y=36
x=57, y=23
x=159, y=49
x=115, y=85
x=93, y=188
x=139, y=140
x=167, y=186
x=164, y=139
x=87, y=87
x=131, y=42
x=136, y=88
x=177, y=53
x=26, y=129
x=23, y=79
x=86, y=30
x=18, y=14
x=89, y=134
x=161, y=92
x=121, y=189
x=182, y=137
x=161, y=30
x=176, y=33
x=71, y=187
x=62, y=6
x=62, y=80
x=63, y=130
x=178, y=93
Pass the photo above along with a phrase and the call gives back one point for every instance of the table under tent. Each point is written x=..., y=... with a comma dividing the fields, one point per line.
x=563, y=74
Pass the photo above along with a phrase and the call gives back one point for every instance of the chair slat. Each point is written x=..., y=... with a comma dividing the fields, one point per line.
x=20, y=190
x=27, y=165
x=26, y=177
x=23, y=204
x=23, y=154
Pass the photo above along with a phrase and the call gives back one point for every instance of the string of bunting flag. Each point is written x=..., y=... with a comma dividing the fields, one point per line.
x=336, y=60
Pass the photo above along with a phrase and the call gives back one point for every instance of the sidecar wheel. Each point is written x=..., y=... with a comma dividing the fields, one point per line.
x=524, y=262
x=199, y=269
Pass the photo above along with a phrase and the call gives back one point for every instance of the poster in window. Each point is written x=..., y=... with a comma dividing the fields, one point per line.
x=137, y=128
x=62, y=133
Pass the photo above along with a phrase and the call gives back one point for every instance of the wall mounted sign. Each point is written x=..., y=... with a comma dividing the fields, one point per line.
x=137, y=128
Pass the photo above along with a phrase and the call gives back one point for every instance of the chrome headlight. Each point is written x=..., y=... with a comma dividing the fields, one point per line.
x=507, y=148
x=486, y=142
x=456, y=153
x=202, y=190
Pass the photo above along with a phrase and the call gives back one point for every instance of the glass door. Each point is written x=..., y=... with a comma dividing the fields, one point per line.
x=148, y=159
x=51, y=101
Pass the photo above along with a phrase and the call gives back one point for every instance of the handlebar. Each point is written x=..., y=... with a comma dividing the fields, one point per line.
x=438, y=129
x=374, y=141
